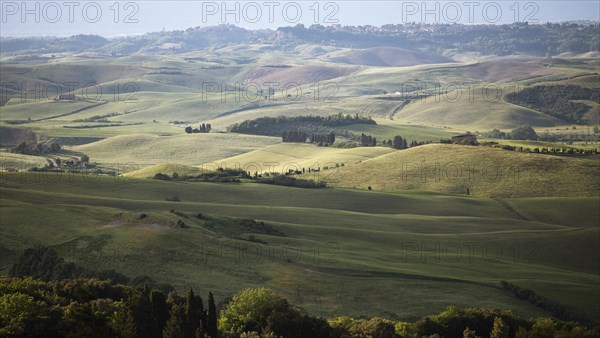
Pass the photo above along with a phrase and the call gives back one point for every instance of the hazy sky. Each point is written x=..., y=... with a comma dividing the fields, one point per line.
x=113, y=18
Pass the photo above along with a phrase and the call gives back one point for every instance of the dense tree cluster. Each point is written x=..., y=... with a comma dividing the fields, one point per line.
x=100, y=308
x=276, y=126
x=263, y=311
x=523, y=132
x=202, y=128
x=293, y=136
x=97, y=308
x=225, y=175
x=322, y=139
x=367, y=140
x=289, y=181
x=397, y=143
x=518, y=37
x=558, y=101
x=47, y=147
x=402, y=143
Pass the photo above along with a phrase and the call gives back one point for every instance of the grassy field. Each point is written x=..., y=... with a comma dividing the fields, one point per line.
x=192, y=149
x=341, y=252
x=166, y=169
x=20, y=162
x=543, y=144
x=484, y=171
x=475, y=109
x=387, y=129
x=280, y=157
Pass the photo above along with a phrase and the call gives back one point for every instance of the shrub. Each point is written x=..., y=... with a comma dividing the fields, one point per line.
x=249, y=309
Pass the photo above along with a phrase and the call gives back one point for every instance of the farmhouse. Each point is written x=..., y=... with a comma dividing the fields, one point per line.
x=74, y=162
x=468, y=138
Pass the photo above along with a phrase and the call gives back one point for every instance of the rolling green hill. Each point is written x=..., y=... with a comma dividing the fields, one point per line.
x=164, y=168
x=191, y=149
x=338, y=252
x=389, y=56
x=281, y=157
x=20, y=162
x=484, y=171
x=479, y=111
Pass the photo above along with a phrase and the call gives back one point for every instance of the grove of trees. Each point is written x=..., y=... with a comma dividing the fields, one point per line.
x=202, y=128
x=293, y=136
x=523, y=133
x=100, y=308
x=276, y=126
x=558, y=101
x=322, y=139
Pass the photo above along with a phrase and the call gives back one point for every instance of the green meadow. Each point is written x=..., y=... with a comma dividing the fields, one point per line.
x=336, y=251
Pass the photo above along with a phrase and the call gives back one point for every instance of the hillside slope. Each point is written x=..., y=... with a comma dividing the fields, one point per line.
x=484, y=171
x=476, y=111
x=281, y=157
x=192, y=149
x=397, y=251
x=389, y=57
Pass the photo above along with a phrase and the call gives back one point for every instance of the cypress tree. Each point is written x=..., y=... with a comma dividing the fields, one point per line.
x=201, y=319
x=160, y=311
x=192, y=317
x=174, y=326
x=212, y=317
x=133, y=321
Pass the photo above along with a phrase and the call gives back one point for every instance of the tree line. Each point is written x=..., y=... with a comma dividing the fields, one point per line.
x=398, y=142
x=524, y=132
x=555, y=309
x=83, y=308
x=46, y=297
x=518, y=37
x=293, y=136
x=202, y=128
x=276, y=126
x=100, y=308
x=226, y=175
x=545, y=150
x=289, y=181
x=322, y=139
